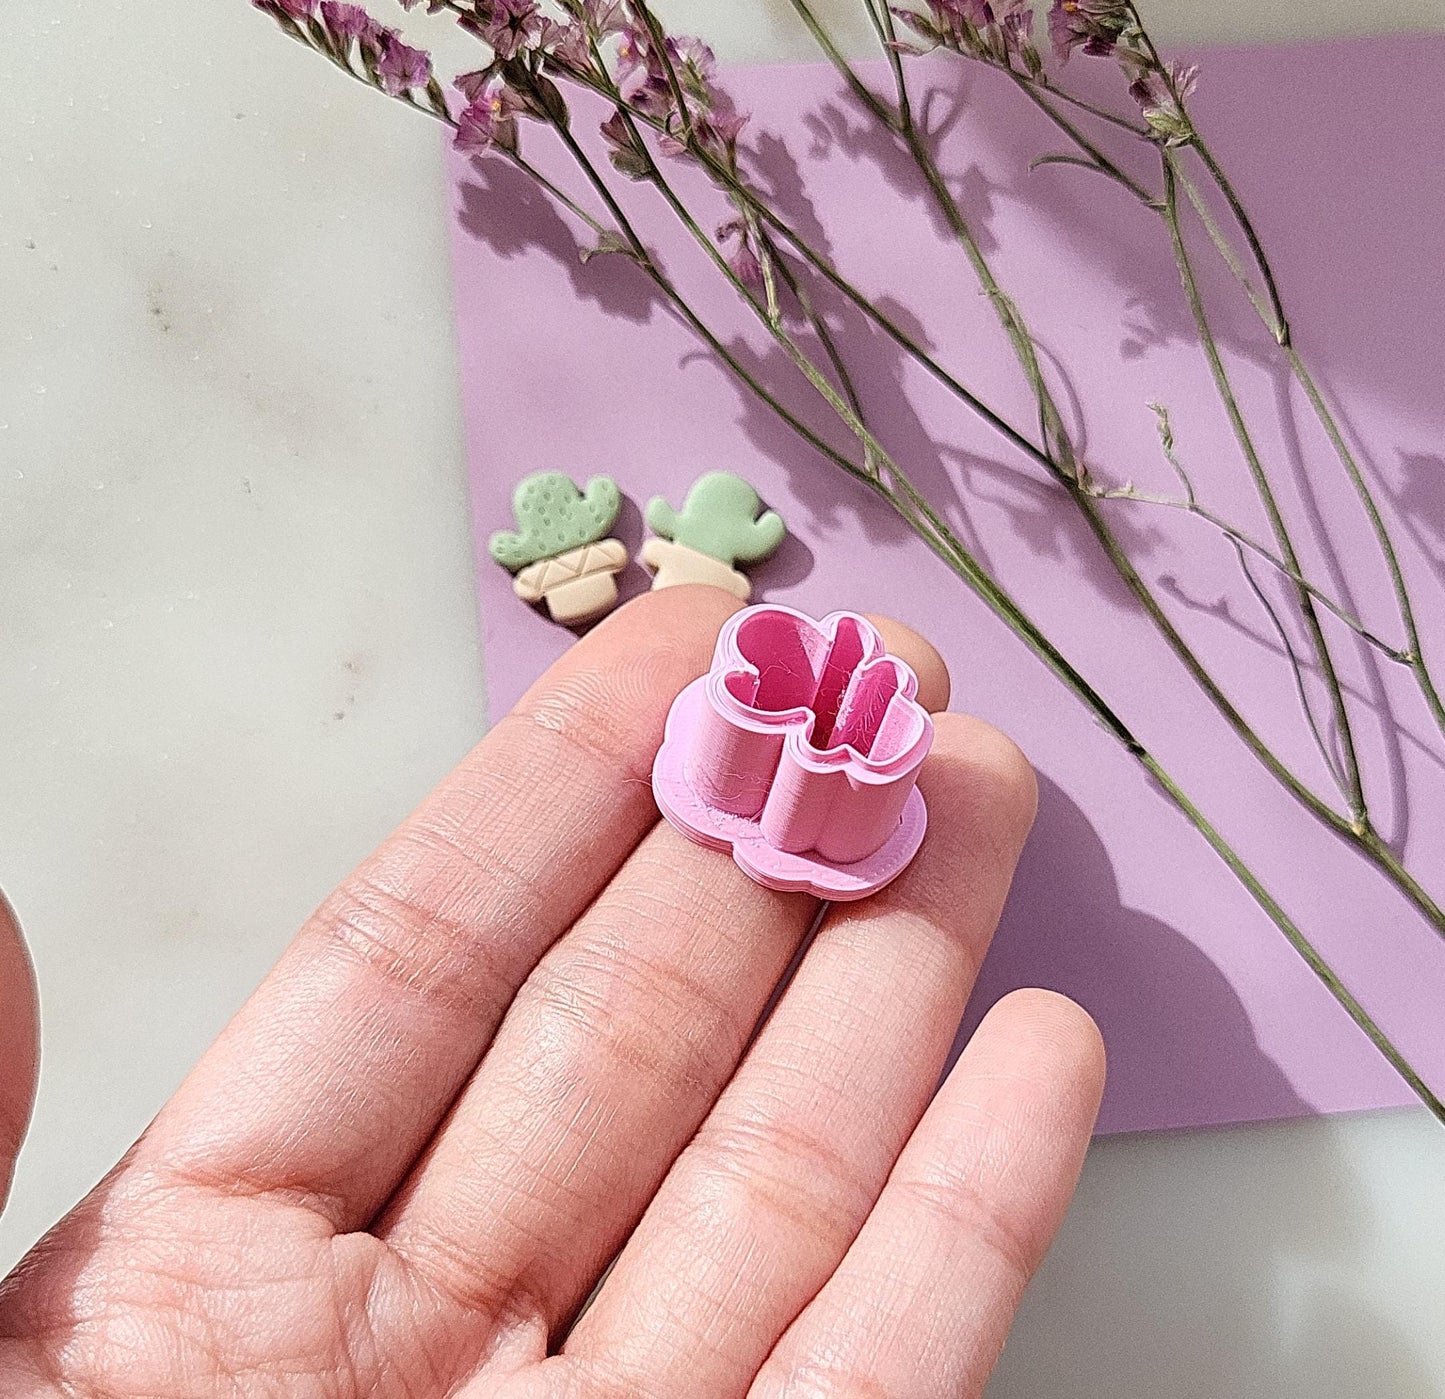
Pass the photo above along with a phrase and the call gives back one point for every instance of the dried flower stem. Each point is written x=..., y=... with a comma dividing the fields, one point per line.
x=1094, y=157
x=1079, y=104
x=1275, y=318
x=1271, y=310
x=881, y=17
x=1353, y=780
x=1261, y=551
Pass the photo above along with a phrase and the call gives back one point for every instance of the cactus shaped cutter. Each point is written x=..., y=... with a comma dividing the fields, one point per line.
x=717, y=528
x=799, y=751
x=559, y=551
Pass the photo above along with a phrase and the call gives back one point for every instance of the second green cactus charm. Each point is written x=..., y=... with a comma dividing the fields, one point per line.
x=559, y=552
x=718, y=528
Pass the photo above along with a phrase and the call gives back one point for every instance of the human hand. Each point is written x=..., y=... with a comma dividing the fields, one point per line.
x=517, y=1040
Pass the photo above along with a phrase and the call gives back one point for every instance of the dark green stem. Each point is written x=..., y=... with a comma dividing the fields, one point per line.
x=1265, y=491
x=1102, y=113
x=818, y=31
x=1366, y=496
x=1271, y=311
x=882, y=18
x=679, y=303
x=1096, y=158
x=1238, y=537
x=1275, y=318
x=815, y=319
x=1280, y=328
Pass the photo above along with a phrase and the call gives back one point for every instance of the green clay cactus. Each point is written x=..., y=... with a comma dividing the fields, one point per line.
x=720, y=520
x=554, y=517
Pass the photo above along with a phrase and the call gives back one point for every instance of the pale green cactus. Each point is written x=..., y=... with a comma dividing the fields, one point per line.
x=554, y=517
x=720, y=520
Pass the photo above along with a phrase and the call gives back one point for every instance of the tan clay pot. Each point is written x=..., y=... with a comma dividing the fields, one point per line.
x=578, y=586
x=675, y=564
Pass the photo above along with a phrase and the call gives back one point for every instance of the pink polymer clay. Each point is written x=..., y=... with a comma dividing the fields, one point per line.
x=799, y=752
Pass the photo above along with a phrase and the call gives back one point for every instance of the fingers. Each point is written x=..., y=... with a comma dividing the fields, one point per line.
x=19, y=1043
x=332, y=1078
x=609, y=1058
x=761, y=1207
x=612, y=1053
x=920, y=1307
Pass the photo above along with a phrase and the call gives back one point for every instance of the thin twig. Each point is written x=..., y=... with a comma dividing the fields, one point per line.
x=815, y=319
x=1096, y=158
x=834, y=54
x=1273, y=316
x=1240, y=539
x=1280, y=328
x=1328, y=673
x=1101, y=113
x=882, y=18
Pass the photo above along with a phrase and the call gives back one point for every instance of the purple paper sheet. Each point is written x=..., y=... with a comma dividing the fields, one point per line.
x=1209, y=1015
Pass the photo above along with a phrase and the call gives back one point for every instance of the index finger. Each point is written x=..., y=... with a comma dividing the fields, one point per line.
x=333, y=1076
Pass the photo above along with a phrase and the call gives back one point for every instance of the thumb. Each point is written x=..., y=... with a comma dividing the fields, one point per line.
x=19, y=1043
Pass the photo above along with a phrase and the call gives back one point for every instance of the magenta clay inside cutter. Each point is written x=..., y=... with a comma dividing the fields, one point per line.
x=799, y=752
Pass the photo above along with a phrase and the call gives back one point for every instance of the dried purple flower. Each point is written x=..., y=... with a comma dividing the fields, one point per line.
x=401, y=67
x=927, y=29
x=994, y=30
x=1160, y=95
x=604, y=17
x=675, y=88
x=490, y=118
x=349, y=21
x=1016, y=20
x=743, y=261
x=1184, y=78
x=631, y=52
x=569, y=46
x=514, y=25
x=473, y=85
x=978, y=13
x=695, y=57
x=746, y=267
x=625, y=153
x=726, y=122
x=1092, y=25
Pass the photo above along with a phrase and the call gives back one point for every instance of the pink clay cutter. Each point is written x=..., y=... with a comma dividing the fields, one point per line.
x=799, y=752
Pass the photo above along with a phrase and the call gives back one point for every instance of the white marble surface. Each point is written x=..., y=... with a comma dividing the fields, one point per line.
x=237, y=641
